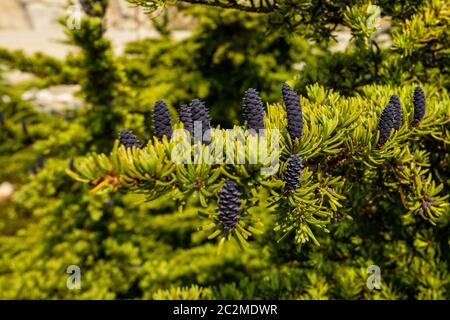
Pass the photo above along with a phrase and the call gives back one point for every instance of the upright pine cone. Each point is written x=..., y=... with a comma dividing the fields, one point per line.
x=292, y=173
x=128, y=139
x=253, y=110
x=2, y=121
x=386, y=123
x=200, y=113
x=419, y=102
x=185, y=114
x=161, y=120
x=397, y=109
x=229, y=205
x=294, y=111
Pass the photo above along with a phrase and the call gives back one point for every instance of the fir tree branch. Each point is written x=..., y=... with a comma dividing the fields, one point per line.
x=232, y=4
x=247, y=6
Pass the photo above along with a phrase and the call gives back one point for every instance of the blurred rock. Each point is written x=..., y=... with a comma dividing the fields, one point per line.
x=32, y=25
x=43, y=14
x=6, y=191
x=13, y=15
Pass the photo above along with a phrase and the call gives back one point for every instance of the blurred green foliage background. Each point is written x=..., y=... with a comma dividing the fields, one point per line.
x=131, y=249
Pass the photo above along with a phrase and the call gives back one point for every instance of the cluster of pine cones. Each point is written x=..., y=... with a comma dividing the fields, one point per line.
x=196, y=111
x=392, y=116
x=230, y=197
x=253, y=110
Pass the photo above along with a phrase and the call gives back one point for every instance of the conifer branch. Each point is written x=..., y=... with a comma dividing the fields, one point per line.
x=232, y=4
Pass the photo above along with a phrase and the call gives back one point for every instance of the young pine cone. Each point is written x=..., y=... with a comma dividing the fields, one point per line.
x=229, y=205
x=386, y=123
x=292, y=173
x=253, y=110
x=293, y=111
x=185, y=114
x=200, y=114
x=128, y=139
x=161, y=120
x=397, y=109
x=419, y=102
x=2, y=120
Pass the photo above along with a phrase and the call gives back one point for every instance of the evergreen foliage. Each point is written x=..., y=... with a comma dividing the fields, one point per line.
x=227, y=53
x=354, y=186
x=336, y=133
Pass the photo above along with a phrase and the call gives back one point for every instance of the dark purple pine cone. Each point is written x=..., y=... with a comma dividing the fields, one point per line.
x=162, y=120
x=292, y=173
x=185, y=114
x=419, y=102
x=398, y=113
x=386, y=123
x=2, y=120
x=293, y=111
x=200, y=114
x=128, y=139
x=229, y=205
x=253, y=110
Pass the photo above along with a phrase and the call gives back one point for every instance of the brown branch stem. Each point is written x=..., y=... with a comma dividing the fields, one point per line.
x=232, y=5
